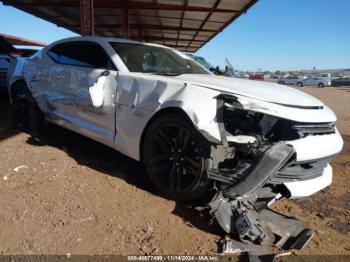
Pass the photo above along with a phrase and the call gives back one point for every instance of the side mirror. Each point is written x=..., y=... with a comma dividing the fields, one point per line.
x=104, y=73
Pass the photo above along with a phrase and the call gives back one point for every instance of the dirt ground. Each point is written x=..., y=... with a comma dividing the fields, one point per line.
x=73, y=195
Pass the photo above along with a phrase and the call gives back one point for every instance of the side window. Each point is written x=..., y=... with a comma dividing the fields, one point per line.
x=81, y=53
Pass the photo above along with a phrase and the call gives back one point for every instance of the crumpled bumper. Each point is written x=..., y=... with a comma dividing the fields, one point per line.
x=300, y=189
x=317, y=146
x=314, y=148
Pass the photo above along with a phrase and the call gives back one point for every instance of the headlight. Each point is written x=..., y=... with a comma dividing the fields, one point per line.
x=237, y=121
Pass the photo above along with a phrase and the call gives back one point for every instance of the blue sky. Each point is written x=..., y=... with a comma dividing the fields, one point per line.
x=274, y=34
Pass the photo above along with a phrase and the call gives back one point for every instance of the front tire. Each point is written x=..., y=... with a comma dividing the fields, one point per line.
x=300, y=84
x=321, y=85
x=174, y=154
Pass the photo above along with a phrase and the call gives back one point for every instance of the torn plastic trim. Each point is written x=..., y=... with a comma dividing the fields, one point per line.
x=255, y=252
x=249, y=178
x=301, y=189
x=220, y=115
x=267, y=166
x=237, y=210
x=259, y=227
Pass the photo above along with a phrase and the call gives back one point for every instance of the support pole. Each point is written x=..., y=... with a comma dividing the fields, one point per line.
x=141, y=29
x=87, y=17
x=126, y=23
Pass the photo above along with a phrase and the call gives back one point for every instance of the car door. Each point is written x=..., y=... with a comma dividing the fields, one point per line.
x=310, y=81
x=60, y=94
x=288, y=80
x=346, y=81
x=94, y=80
x=317, y=81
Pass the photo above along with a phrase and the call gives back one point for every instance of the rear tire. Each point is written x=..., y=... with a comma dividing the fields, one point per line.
x=174, y=154
x=26, y=113
x=321, y=85
x=300, y=84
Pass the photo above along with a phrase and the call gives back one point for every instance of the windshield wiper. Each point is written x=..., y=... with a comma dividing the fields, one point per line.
x=167, y=74
x=163, y=73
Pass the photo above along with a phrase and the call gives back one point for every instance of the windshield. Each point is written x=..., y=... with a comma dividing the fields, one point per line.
x=154, y=59
x=202, y=61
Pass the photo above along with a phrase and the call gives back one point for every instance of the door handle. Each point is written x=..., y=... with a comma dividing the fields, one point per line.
x=34, y=77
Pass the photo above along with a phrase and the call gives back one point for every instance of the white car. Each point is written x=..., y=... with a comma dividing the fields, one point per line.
x=315, y=81
x=289, y=80
x=250, y=142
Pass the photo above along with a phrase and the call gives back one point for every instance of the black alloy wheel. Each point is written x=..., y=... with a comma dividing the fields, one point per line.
x=174, y=157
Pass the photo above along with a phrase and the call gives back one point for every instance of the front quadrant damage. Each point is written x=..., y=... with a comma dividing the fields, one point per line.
x=251, y=170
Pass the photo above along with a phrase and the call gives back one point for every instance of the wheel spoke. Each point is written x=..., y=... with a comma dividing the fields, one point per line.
x=182, y=138
x=192, y=162
x=158, y=159
x=186, y=140
x=178, y=181
x=179, y=137
x=162, y=141
x=191, y=166
x=173, y=177
x=161, y=166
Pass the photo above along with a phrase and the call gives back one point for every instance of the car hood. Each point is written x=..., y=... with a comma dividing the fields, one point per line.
x=268, y=92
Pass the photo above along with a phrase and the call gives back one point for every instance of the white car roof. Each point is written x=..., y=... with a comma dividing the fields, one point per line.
x=100, y=39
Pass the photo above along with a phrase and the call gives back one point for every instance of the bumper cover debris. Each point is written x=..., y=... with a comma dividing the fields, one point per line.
x=241, y=207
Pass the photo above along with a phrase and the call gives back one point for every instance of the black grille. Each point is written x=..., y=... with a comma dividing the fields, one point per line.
x=313, y=128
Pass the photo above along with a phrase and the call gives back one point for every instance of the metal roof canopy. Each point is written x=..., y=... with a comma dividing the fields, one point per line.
x=183, y=24
x=15, y=40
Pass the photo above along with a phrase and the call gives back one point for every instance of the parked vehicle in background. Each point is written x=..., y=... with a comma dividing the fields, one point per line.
x=5, y=60
x=289, y=80
x=8, y=55
x=342, y=81
x=250, y=143
x=257, y=77
x=315, y=81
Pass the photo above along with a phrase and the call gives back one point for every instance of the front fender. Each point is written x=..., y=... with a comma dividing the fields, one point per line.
x=202, y=115
x=140, y=99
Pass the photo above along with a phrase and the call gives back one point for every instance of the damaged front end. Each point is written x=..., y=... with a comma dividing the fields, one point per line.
x=250, y=170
